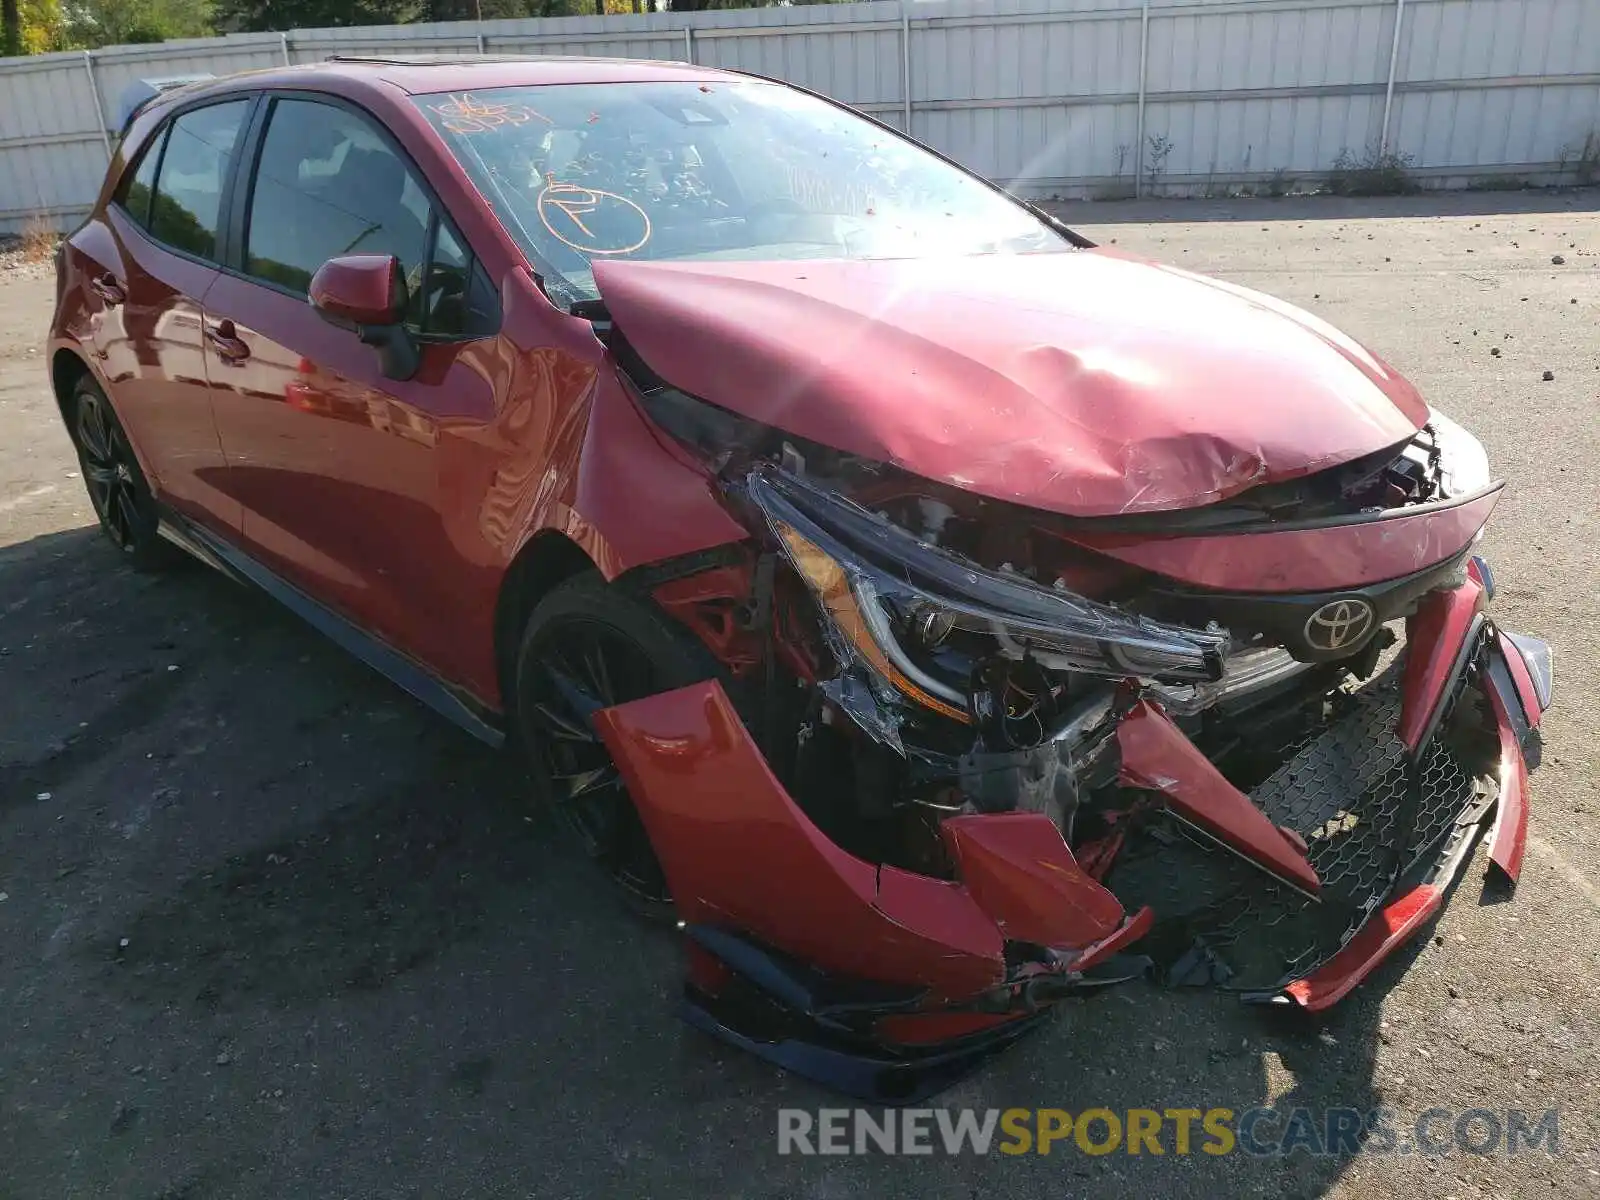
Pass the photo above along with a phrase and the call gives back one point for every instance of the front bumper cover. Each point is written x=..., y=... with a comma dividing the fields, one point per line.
x=889, y=985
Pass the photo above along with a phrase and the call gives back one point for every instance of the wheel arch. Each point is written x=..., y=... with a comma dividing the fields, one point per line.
x=67, y=367
x=548, y=558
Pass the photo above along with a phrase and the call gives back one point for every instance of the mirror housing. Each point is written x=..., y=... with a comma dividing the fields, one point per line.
x=360, y=289
x=367, y=293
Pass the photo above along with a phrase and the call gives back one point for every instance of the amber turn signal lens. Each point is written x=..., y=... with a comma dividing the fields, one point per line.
x=832, y=586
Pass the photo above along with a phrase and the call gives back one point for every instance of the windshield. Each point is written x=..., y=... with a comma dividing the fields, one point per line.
x=710, y=171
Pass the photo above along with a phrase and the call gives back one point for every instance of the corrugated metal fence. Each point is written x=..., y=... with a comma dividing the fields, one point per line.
x=1055, y=97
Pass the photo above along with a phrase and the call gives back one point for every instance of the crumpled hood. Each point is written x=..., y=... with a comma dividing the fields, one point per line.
x=1084, y=382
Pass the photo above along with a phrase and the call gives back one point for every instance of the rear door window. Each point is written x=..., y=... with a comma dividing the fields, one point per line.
x=193, y=170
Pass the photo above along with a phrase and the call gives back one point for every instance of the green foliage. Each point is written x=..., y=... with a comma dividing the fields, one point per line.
x=704, y=5
x=1158, y=147
x=37, y=26
x=93, y=23
x=1374, y=173
x=10, y=28
x=250, y=16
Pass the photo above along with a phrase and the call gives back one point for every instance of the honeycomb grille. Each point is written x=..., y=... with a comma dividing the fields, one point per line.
x=1348, y=791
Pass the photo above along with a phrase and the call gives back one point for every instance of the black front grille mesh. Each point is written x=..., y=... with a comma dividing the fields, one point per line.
x=1345, y=791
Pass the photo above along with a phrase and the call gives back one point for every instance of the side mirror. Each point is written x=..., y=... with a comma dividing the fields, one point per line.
x=367, y=293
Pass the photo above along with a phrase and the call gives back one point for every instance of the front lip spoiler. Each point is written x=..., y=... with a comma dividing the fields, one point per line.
x=775, y=1008
x=861, y=1071
x=825, y=1029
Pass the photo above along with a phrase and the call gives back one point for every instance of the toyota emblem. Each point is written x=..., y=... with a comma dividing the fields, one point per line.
x=1339, y=624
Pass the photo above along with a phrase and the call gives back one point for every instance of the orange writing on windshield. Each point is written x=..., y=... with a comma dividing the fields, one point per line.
x=467, y=114
x=593, y=221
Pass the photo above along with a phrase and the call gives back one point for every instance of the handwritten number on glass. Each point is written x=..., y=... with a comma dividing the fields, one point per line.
x=569, y=212
x=467, y=114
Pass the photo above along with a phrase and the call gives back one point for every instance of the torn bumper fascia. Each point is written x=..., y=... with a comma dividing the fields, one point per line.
x=1455, y=631
x=1157, y=757
x=888, y=984
x=764, y=893
x=1518, y=669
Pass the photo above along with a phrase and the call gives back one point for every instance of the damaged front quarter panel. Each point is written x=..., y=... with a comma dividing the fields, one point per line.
x=922, y=808
x=812, y=946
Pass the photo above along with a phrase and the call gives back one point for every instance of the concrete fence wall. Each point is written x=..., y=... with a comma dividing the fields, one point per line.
x=1054, y=97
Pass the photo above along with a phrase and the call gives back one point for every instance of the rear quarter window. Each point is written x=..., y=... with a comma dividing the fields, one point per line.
x=194, y=166
x=139, y=184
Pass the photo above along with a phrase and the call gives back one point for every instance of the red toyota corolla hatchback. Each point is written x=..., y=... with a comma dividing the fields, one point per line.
x=936, y=613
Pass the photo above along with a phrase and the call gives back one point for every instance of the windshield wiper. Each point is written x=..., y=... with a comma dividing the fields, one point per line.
x=1055, y=223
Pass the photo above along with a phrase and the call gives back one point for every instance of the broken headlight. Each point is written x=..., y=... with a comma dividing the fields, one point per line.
x=1463, y=465
x=880, y=586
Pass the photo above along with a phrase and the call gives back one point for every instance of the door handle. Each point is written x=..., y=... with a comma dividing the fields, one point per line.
x=108, y=289
x=225, y=339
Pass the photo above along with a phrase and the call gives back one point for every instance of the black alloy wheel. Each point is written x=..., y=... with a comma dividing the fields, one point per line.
x=122, y=499
x=587, y=647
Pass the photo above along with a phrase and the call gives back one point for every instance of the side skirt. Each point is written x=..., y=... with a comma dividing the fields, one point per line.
x=448, y=701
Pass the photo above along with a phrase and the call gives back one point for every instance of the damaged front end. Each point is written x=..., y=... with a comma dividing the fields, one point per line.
x=966, y=758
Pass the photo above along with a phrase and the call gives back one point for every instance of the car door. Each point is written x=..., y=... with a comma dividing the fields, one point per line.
x=162, y=253
x=338, y=469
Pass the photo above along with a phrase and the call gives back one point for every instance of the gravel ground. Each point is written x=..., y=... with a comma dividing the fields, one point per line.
x=18, y=261
x=268, y=929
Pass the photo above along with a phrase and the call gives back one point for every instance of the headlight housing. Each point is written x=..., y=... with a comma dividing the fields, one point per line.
x=869, y=576
x=1463, y=463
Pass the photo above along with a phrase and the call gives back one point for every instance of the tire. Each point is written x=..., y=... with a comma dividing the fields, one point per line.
x=586, y=646
x=117, y=488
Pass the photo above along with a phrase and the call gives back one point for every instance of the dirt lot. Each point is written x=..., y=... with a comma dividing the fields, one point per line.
x=268, y=929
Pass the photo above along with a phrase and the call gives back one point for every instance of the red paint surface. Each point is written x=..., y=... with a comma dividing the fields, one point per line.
x=1388, y=928
x=1434, y=634
x=737, y=850
x=1080, y=382
x=1305, y=560
x=1532, y=710
x=1509, y=838
x=400, y=504
x=1399, y=920
x=1156, y=756
x=1021, y=873
x=1134, y=928
x=360, y=288
x=147, y=353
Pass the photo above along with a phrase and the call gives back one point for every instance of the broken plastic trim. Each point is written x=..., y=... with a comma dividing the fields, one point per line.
x=1245, y=672
x=832, y=541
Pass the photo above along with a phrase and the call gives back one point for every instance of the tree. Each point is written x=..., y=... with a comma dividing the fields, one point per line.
x=251, y=16
x=43, y=27
x=92, y=23
x=10, y=28
x=705, y=5
x=254, y=16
